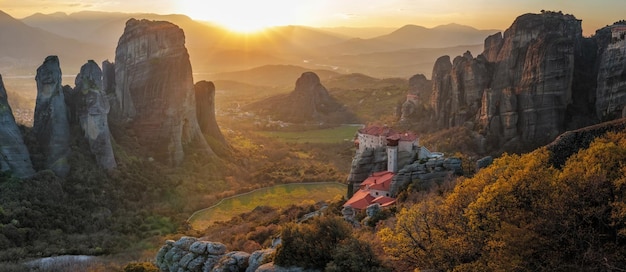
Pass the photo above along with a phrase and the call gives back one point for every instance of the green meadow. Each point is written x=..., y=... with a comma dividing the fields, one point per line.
x=276, y=196
x=323, y=136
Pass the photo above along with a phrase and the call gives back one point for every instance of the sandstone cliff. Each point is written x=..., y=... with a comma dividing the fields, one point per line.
x=154, y=89
x=309, y=102
x=92, y=109
x=14, y=155
x=51, y=125
x=205, y=110
x=532, y=82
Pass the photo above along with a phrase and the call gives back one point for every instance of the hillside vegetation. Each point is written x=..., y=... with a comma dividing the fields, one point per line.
x=521, y=214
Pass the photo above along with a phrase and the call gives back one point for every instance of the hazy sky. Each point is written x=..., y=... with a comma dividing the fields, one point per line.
x=250, y=14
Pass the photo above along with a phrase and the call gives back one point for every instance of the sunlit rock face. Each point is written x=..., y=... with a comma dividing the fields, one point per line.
x=154, y=89
x=14, y=155
x=92, y=109
x=611, y=89
x=205, y=110
x=51, y=125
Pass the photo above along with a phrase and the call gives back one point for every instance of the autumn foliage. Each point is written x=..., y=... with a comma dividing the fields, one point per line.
x=521, y=214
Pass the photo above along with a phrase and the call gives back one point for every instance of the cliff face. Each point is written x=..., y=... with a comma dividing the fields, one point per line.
x=154, y=89
x=14, y=155
x=611, y=90
x=92, y=109
x=533, y=82
x=51, y=125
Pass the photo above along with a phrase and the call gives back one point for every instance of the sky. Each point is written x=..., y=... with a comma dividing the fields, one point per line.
x=249, y=15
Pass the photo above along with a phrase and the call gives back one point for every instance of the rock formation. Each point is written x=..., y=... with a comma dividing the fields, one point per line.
x=419, y=90
x=154, y=89
x=51, y=126
x=570, y=142
x=533, y=82
x=205, y=110
x=427, y=172
x=365, y=163
x=308, y=103
x=611, y=89
x=14, y=155
x=190, y=254
x=92, y=108
x=108, y=77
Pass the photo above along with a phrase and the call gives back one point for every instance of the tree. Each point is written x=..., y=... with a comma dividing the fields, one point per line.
x=310, y=245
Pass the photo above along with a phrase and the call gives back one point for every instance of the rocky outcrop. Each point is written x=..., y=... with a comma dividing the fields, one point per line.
x=205, y=110
x=427, y=172
x=14, y=155
x=570, y=142
x=419, y=90
x=154, y=90
x=92, y=108
x=190, y=254
x=365, y=163
x=611, y=89
x=308, y=103
x=442, y=85
x=108, y=78
x=527, y=86
x=51, y=127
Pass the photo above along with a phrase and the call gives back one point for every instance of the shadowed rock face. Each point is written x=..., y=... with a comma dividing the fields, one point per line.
x=523, y=84
x=309, y=102
x=419, y=90
x=310, y=96
x=14, y=155
x=154, y=89
x=205, y=110
x=51, y=126
x=611, y=90
x=92, y=109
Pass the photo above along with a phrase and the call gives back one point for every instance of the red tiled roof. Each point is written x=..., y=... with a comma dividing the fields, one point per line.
x=360, y=200
x=377, y=131
x=384, y=201
x=389, y=133
x=378, y=181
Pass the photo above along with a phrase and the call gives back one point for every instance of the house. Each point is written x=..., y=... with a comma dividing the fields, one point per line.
x=374, y=189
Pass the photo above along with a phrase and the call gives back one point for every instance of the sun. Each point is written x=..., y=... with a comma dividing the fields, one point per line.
x=244, y=15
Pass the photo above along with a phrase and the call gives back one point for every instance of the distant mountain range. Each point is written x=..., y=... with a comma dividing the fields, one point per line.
x=86, y=35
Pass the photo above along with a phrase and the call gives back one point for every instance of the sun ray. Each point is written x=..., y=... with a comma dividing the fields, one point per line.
x=244, y=16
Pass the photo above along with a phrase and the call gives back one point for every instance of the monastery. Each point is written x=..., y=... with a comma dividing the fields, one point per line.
x=376, y=188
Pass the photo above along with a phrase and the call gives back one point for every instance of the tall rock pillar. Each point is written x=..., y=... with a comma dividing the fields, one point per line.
x=51, y=125
x=154, y=90
x=92, y=110
x=205, y=110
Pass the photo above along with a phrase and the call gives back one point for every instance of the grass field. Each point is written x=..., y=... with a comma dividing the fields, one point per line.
x=322, y=136
x=275, y=196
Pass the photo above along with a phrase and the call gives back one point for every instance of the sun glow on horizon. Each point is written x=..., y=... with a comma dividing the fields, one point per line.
x=245, y=16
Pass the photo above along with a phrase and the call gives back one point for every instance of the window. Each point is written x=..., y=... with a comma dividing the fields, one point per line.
x=376, y=193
